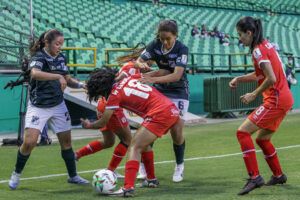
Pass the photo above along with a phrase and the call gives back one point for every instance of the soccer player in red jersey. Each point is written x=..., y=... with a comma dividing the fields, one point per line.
x=158, y=112
x=117, y=125
x=277, y=101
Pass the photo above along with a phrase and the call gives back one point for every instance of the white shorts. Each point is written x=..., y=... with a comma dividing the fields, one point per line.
x=182, y=105
x=58, y=118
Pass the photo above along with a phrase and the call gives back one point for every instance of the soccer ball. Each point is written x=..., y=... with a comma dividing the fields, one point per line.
x=104, y=181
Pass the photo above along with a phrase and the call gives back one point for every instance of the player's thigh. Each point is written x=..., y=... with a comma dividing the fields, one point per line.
x=60, y=120
x=264, y=134
x=124, y=134
x=140, y=141
x=108, y=138
x=248, y=126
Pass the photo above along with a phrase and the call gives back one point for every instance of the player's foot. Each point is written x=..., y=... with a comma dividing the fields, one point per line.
x=277, y=180
x=251, y=185
x=122, y=192
x=119, y=175
x=178, y=173
x=14, y=180
x=78, y=180
x=142, y=172
x=149, y=183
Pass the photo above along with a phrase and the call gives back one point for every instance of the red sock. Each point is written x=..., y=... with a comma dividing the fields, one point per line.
x=90, y=148
x=148, y=160
x=119, y=153
x=131, y=169
x=270, y=156
x=249, y=155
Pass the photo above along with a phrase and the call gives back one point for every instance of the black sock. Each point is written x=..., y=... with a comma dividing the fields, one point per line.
x=69, y=158
x=179, y=152
x=21, y=161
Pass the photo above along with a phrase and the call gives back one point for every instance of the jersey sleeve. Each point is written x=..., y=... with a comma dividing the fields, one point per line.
x=148, y=53
x=260, y=55
x=37, y=62
x=182, y=58
x=113, y=101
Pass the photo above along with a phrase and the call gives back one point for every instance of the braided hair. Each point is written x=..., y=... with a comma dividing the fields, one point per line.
x=100, y=83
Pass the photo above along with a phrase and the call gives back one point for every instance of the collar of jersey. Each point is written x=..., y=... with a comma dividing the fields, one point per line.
x=162, y=47
x=48, y=54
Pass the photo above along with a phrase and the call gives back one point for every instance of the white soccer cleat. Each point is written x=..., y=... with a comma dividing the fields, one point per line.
x=119, y=175
x=78, y=180
x=178, y=173
x=14, y=180
x=142, y=172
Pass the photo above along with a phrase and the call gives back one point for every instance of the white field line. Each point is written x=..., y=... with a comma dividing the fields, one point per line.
x=157, y=163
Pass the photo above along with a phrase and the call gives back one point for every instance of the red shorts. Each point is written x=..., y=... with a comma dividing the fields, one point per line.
x=160, y=123
x=116, y=121
x=268, y=116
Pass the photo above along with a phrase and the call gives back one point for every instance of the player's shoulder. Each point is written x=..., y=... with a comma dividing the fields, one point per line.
x=181, y=45
x=262, y=49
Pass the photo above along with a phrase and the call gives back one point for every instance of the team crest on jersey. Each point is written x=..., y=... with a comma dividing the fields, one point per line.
x=257, y=54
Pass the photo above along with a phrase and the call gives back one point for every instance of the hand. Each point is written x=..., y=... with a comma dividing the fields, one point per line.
x=147, y=80
x=142, y=65
x=248, y=98
x=86, y=123
x=233, y=83
x=63, y=83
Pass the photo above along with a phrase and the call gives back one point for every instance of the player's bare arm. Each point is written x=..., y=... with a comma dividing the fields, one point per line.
x=99, y=123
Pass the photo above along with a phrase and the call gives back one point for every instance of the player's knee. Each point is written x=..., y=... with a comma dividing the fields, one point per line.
x=28, y=145
x=109, y=143
x=242, y=134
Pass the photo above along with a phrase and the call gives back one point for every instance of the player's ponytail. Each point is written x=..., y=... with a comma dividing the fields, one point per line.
x=136, y=52
x=47, y=36
x=255, y=26
x=38, y=44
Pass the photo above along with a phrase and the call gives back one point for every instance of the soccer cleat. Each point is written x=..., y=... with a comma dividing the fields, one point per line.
x=251, y=185
x=149, y=183
x=78, y=180
x=119, y=175
x=178, y=173
x=277, y=180
x=122, y=192
x=14, y=180
x=142, y=172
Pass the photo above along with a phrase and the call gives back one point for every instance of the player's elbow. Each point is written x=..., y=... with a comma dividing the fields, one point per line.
x=33, y=74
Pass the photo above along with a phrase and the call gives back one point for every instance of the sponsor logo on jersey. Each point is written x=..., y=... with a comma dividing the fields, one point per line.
x=172, y=55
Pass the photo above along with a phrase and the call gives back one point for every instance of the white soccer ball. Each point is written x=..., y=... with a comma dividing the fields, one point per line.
x=104, y=181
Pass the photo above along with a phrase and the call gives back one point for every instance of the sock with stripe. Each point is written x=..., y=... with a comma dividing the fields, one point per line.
x=249, y=154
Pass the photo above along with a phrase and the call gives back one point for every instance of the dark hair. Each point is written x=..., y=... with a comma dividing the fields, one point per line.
x=39, y=44
x=136, y=52
x=167, y=26
x=254, y=25
x=100, y=83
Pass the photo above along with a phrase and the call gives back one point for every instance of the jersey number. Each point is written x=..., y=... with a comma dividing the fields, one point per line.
x=260, y=110
x=137, y=89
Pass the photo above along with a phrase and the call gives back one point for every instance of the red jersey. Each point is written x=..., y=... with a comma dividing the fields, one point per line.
x=143, y=100
x=128, y=69
x=279, y=93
